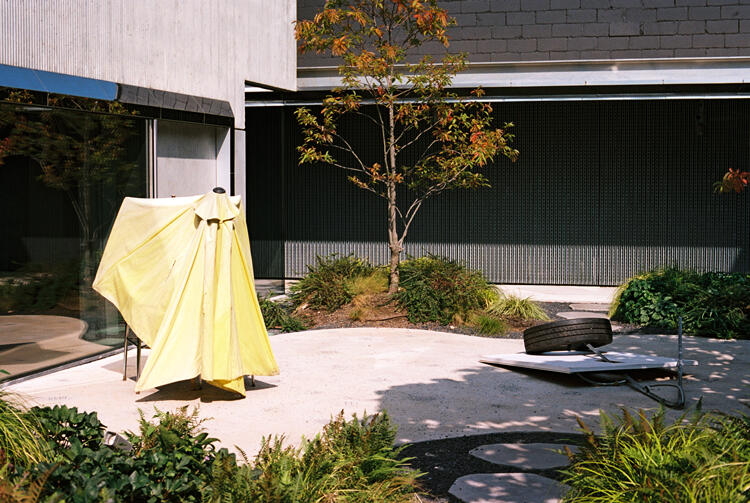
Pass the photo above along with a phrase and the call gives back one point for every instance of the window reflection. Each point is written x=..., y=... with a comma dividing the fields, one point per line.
x=63, y=175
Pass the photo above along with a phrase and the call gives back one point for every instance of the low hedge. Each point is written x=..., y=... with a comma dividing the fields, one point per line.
x=711, y=303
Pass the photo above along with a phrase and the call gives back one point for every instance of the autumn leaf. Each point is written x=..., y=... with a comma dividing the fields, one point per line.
x=734, y=180
x=340, y=45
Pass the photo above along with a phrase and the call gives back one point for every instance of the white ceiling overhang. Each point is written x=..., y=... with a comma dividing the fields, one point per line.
x=636, y=72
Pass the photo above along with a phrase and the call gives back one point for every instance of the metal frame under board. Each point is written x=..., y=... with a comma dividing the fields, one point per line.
x=576, y=362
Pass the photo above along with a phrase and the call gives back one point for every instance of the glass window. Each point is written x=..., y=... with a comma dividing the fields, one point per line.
x=63, y=175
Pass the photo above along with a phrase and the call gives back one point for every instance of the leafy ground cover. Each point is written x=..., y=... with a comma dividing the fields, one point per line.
x=172, y=459
x=712, y=303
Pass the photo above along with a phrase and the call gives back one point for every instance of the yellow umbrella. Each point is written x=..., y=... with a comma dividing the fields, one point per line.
x=180, y=273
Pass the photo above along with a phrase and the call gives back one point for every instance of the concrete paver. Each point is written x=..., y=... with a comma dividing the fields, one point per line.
x=568, y=294
x=590, y=307
x=507, y=488
x=536, y=456
x=575, y=315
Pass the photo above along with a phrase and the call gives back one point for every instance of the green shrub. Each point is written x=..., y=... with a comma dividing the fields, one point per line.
x=60, y=424
x=438, y=289
x=510, y=306
x=328, y=284
x=275, y=315
x=488, y=324
x=20, y=442
x=710, y=303
x=640, y=459
x=349, y=461
x=173, y=460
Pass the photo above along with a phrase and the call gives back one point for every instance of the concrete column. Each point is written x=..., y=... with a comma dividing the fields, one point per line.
x=240, y=166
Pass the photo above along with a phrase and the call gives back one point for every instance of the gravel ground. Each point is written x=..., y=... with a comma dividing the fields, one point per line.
x=443, y=461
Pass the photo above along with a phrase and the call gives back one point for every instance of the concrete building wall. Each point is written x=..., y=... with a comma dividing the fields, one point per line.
x=194, y=47
x=190, y=158
x=533, y=30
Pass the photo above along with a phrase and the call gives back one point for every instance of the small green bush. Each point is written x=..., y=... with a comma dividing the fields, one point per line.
x=510, y=306
x=275, y=315
x=438, y=289
x=350, y=461
x=711, y=303
x=60, y=424
x=704, y=459
x=488, y=324
x=328, y=284
x=170, y=461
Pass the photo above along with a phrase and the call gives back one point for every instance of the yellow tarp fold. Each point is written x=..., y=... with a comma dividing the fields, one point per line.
x=180, y=273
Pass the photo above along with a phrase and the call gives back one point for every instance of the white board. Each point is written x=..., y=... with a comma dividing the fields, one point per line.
x=574, y=362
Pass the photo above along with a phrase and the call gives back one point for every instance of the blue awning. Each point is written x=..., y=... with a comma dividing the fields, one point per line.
x=58, y=83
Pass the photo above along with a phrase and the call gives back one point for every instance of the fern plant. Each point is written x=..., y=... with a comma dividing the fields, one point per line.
x=26, y=489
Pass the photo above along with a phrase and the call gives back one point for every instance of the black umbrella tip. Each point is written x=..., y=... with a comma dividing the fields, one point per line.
x=219, y=190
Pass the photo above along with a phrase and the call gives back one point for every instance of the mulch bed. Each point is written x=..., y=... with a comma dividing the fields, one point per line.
x=444, y=461
x=379, y=311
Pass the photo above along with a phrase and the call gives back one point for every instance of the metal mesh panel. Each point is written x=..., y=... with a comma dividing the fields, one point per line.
x=659, y=160
x=602, y=191
x=266, y=151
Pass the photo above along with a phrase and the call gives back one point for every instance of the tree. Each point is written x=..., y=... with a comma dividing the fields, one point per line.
x=432, y=140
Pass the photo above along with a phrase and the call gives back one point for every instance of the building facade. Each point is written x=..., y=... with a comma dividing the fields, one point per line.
x=626, y=112
x=102, y=100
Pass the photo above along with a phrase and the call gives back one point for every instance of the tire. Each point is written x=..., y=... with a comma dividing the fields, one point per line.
x=567, y=335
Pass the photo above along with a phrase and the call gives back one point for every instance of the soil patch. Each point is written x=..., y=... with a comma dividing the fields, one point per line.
x=379, y=310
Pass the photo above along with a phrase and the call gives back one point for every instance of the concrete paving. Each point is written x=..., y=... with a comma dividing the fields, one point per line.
x=590, y=307
x=535, y=456
x=507, y=488
x=555, y=293
x=575, y=315
x=432, y=384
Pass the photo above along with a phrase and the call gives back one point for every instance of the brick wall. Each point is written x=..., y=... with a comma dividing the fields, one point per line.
x=532, y=30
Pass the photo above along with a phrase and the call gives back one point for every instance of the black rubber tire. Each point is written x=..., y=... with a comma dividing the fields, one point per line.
x=567, y=335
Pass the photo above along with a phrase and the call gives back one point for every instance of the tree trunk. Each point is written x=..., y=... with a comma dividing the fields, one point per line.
x=393, y=242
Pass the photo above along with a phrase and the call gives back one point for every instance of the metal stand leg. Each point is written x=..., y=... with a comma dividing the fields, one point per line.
x=252, y=381
x=137, y=357
x=125, y=367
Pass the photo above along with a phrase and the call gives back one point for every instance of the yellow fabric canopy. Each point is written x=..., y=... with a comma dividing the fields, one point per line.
x=180, y=273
